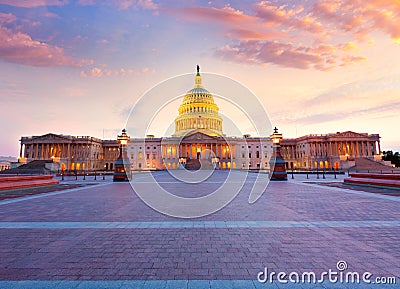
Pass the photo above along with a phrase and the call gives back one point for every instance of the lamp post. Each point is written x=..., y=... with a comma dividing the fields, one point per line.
x=122, y=165
x=279, y=164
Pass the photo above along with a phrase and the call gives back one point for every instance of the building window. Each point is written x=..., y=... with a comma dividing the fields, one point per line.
x=147, y=156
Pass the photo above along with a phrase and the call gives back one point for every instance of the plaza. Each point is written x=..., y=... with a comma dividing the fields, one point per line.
x=103, y=235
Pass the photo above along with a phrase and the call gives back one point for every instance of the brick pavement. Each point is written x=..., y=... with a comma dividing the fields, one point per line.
x=106, y=237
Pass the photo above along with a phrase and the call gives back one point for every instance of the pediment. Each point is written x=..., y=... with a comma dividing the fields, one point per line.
x=51, y=136
x=198, y=136
x=349, y=134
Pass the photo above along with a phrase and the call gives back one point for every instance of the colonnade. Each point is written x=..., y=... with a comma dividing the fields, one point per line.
x=198, y=150
x=196, y=123
x=347, y=148
x=45, y=151
x=333, y=149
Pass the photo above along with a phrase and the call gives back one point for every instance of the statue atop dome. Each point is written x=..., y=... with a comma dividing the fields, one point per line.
x=198, y=70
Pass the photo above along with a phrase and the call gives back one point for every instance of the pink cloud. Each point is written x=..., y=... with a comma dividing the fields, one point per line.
x=7, y=18
x=321, y=36
x=238, y=24
x=323, y=57
x=34, y=3
x=227, y=15
x=361, y=17
x=19, y=47
x=290, y=18
x=244, y=34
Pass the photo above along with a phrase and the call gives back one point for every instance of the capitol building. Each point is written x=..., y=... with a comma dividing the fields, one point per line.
x=199, y=141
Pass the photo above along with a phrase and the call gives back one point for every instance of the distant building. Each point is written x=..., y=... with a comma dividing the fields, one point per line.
x=199, y=139
x=4, y=165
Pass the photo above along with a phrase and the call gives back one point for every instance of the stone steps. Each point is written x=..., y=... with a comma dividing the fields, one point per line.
x=192, y=164
x=383, y=180
x=33, y=167
x=20, y=182
x=364, y=164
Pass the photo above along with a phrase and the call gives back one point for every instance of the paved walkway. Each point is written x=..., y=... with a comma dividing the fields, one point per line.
x=104, y=236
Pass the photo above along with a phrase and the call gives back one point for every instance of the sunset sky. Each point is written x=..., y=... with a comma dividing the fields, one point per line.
x=77, y=67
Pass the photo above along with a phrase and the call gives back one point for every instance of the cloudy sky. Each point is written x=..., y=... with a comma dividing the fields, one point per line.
x=77, y=67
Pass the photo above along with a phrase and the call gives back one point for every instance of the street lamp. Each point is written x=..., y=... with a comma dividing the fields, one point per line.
x=122, y=165
x=278, y=163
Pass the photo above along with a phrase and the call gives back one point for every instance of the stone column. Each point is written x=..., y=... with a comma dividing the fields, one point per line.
x=379, y=146
x=32, y=151
x=369, y=148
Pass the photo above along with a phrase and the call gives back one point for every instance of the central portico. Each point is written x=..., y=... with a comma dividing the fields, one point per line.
x=197, y=146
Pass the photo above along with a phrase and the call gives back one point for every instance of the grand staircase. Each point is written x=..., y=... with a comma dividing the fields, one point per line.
x=368, y=165
x=192, y=164
x=31, y=168
x=197, y=164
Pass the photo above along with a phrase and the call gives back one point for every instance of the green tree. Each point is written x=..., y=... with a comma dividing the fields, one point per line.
x=394, y=158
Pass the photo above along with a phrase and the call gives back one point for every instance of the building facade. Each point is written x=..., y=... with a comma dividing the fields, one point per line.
x=330, y=151
x=199, y=138
x=70, y=152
